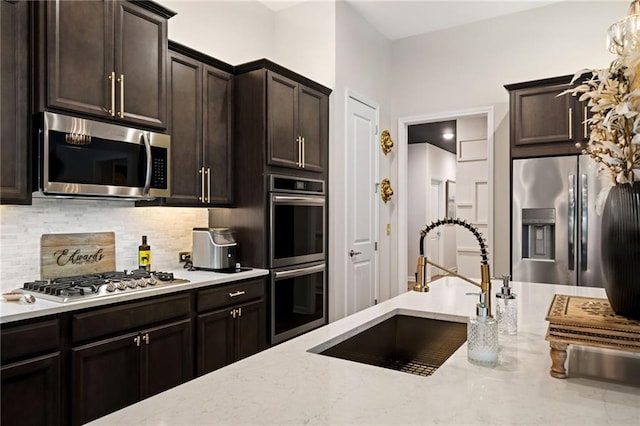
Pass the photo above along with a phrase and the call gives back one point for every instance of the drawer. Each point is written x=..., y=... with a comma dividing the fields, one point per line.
x=30, y=339
x=218, y=297
x=121, y=318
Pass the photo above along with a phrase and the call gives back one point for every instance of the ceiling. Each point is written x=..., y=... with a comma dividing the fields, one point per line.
x=432, y=133
x=396, y=19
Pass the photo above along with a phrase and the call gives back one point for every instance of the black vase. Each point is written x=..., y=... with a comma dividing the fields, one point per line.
x=621, y=249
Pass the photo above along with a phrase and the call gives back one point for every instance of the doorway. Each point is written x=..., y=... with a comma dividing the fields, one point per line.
x=473, y=188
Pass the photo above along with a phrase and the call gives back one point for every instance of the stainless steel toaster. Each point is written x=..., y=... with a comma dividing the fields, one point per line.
x=213, y=248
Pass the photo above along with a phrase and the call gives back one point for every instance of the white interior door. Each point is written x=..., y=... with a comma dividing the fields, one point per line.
x=362, y=213
x=436, y=205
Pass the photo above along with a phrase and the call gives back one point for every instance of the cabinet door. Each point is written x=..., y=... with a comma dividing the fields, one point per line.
x=541, y=117
x=185, y=100
x=167, y=357
x=105, y=377
x=140, y=57
x=282, y=122
x=314, y=127
x=251, y=326
x=14, y=72
x=31, y=392
x=218, y=135
x=215, y=340
x=80, y=56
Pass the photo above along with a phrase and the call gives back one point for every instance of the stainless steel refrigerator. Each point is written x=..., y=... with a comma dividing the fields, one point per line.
x=555, y=230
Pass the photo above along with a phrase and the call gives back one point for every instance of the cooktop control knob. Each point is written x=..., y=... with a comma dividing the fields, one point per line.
x=111, y=287
x=142, y=282
x=131, y=283
x=122, y=285
x=151, y=281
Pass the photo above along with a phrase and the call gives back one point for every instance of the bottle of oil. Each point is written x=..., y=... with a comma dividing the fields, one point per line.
x=144, y=255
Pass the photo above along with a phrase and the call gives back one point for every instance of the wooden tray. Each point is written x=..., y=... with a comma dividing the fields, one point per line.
x=589, y=322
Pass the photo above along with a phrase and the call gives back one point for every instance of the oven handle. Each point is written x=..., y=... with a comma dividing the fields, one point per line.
x=300, y=271
x=306, y=200
x=147, y=145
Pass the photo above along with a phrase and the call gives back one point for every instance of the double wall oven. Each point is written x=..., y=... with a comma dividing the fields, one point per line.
x=297, y=255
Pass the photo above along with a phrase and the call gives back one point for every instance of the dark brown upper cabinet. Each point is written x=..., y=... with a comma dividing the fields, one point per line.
x=283, y=116
x=14, y=116
x=297, y=120
x=105, y=59
x=543, y=123
x=201, y=126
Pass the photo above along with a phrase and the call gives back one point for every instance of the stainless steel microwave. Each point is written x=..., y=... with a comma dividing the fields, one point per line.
x=84, y=158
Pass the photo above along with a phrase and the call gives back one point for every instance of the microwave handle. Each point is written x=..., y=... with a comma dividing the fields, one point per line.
x=147, y=145
x=300, y=271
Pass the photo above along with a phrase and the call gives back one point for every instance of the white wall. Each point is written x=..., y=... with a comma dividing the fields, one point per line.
x=231, y=31
x=304, y=40
x=301, y=38
x=467, y=67
x=427, y=162
x=363, y=63
x=168, y=232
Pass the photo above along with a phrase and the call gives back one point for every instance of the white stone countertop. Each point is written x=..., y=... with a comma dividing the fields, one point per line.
x=20, y=310
x=288, y=385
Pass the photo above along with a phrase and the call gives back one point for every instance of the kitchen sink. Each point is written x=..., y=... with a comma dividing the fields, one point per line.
x=404, y=343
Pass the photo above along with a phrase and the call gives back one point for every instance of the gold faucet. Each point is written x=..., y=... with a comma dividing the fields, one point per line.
x=485, y=275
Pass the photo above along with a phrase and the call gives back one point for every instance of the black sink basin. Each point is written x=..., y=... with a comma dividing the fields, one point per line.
x=404, y=343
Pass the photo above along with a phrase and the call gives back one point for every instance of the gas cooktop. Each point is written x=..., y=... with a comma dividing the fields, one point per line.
x=81, y=287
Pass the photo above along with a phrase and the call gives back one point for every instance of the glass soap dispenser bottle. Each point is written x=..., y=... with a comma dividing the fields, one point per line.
x=482, y=336
x=506, y=308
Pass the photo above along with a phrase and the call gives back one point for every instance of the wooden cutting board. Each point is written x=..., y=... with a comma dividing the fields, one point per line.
x=63, y=255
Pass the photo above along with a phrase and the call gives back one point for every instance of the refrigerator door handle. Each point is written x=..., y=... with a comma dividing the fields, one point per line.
x=571, y=220
x=584, y=224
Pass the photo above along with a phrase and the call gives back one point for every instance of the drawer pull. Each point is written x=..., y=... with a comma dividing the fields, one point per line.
x=237, y=293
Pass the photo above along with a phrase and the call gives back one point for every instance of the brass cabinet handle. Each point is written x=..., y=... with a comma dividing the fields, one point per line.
x=303, y=155
x=145, y=338
x=233, y=313
x=239, y=312
x=299, y=162
x=208, y=184
x=585, y=129
x=137, y=340
x=237, y=293
x=570, y=123
x=121, y=81
x=112, y=78
x=201, y=197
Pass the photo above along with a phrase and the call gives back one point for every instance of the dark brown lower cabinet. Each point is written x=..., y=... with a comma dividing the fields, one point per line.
x=110, y=374
x=230, y=334
x=31, y=391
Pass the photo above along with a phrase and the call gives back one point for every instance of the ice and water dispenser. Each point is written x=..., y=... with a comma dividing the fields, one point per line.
x=538, y=233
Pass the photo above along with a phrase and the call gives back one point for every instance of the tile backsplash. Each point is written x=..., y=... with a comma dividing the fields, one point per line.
x=168, y=231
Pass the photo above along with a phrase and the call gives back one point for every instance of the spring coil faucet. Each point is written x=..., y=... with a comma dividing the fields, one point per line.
x=421, y=274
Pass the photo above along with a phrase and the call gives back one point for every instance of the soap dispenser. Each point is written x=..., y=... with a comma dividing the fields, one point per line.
x=482, y=336
x=506, y=308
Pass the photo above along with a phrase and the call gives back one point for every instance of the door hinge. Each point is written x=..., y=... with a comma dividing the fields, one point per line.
x=375, y=246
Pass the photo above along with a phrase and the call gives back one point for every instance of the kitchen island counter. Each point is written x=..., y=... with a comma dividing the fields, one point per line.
x=20, y=310
x=287, y=384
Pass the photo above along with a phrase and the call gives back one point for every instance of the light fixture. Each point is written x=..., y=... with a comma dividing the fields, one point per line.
x=448, y=135
x=625, y=32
